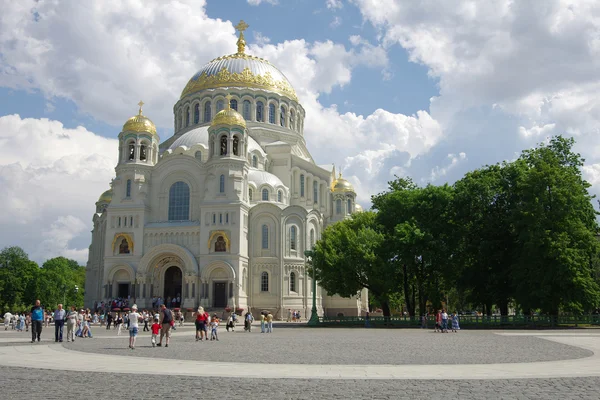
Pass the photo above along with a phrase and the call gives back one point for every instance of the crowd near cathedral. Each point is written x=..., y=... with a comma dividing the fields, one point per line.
x=221, y=213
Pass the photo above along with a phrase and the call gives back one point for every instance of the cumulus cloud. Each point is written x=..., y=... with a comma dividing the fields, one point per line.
x=439, y=172
x=519, y=71
x=105, y=59
x=51, y=177
x=334, y=4
x=258, y=2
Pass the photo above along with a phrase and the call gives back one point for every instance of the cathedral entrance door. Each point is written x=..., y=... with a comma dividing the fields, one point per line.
x=173, y=279
x=220, y=295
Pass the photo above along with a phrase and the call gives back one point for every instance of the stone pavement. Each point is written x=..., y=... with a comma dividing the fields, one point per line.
x=569, y=369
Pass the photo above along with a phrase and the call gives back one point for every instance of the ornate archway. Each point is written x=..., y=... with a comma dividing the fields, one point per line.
x=172, y=285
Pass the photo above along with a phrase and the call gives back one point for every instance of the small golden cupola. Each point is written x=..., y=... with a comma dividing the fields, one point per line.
x=341, y=185
x=228, y=116
x=140, y=123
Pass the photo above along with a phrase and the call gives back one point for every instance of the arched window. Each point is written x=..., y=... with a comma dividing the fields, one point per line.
x=247, y=110
x=338, y=206
x=124, y=247
x=124, y=221
x=131, y=156
x=220, y=244
x=293, y=238
x=198, y=155
x=264, y=282
x=279, y=196
x=349, y=210
x=128, y=188
x=315, y=192
x=207, y=111
x=250, y=194
x=131, y=221
x=265, y=237
x=220, y=218
x=223, y=142
x=292, y=281
x=271, y=113
x=226, y=218
x=236, y=144
x=187, y=116
x=119, y=222
x=255, y=161
x=143, y=152
x=312, y=238
x=222, y=184
x=260, y=111
x=196, y=113
x=282, y=116
x=179, y=202
x=291, y=119
x=233, y=104
x=220, y=105
x=214, y=218
x=302, y=185
x=265, y=195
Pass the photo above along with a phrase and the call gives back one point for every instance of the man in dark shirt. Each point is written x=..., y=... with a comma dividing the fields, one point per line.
x=37, y=318
x=167, y=317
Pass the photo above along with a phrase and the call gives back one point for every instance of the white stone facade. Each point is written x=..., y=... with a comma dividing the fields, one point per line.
x=221, y=212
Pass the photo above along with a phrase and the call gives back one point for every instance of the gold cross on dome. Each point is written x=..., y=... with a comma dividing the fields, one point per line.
x=141, y=103
x=241, y=27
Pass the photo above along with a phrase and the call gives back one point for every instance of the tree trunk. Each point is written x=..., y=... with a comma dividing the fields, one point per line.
x=410, y=303
x=488, y=309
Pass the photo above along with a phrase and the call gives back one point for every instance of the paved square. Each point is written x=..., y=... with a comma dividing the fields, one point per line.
x=302, y=363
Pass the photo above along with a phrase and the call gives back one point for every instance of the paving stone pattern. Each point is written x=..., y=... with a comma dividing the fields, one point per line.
x=52, y=384
x=342, y=346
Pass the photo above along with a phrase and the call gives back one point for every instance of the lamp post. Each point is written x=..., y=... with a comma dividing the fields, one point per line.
x=314, y=316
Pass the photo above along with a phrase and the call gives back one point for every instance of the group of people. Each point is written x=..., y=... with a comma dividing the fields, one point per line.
x=204, y=322
x=17, y=321
x=441, y=321
x=293, y=316
x=172, y=302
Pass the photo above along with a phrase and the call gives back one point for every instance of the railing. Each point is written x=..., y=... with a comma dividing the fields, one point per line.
x=468, y=321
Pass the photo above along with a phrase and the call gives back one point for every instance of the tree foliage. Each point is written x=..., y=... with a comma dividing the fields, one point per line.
x=521, y=234
x=22, y=281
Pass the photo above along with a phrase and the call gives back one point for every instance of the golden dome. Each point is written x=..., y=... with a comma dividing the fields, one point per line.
x=228, y=116
x=240, y=70
x=341, y=185
x=106, y=197
x=139, y=123
x=358, y=208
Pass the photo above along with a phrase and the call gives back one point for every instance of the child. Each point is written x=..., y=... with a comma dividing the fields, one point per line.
x=214, y=324
x=155, y=331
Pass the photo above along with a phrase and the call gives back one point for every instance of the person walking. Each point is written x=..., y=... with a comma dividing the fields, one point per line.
x=248, y=321
x=269, y=320
x=109, y=319
x=133, y=326
x=455, y=324
x=71, y=324
x=155, y=331
x=37, y=319
x=200, y=324
x=146, y=319
x=262, y=322
x=166, y=323
x=438, y=321
x=214, y=325
x=444, y=321
x=7, y=317
x=59, y=323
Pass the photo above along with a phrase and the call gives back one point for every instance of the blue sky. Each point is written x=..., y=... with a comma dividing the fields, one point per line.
x=428, y=89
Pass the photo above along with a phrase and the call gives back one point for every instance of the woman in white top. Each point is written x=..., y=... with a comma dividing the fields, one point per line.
x=133, y=326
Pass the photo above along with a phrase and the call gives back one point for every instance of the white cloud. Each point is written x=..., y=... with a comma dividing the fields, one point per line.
x=106, y=58
x=537, y=131
x=334, y=4
x=439, y=172
x=51, y=177
x=336, y=22
x=258, y=2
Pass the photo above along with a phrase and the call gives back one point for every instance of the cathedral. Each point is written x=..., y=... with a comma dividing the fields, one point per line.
x=221, y=213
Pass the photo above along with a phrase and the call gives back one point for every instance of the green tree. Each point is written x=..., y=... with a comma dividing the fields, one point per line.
x=18, y=279
x=60, y=276
x=556, y=227
x=349, y=257
x=485, y=252
x=418, y=224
